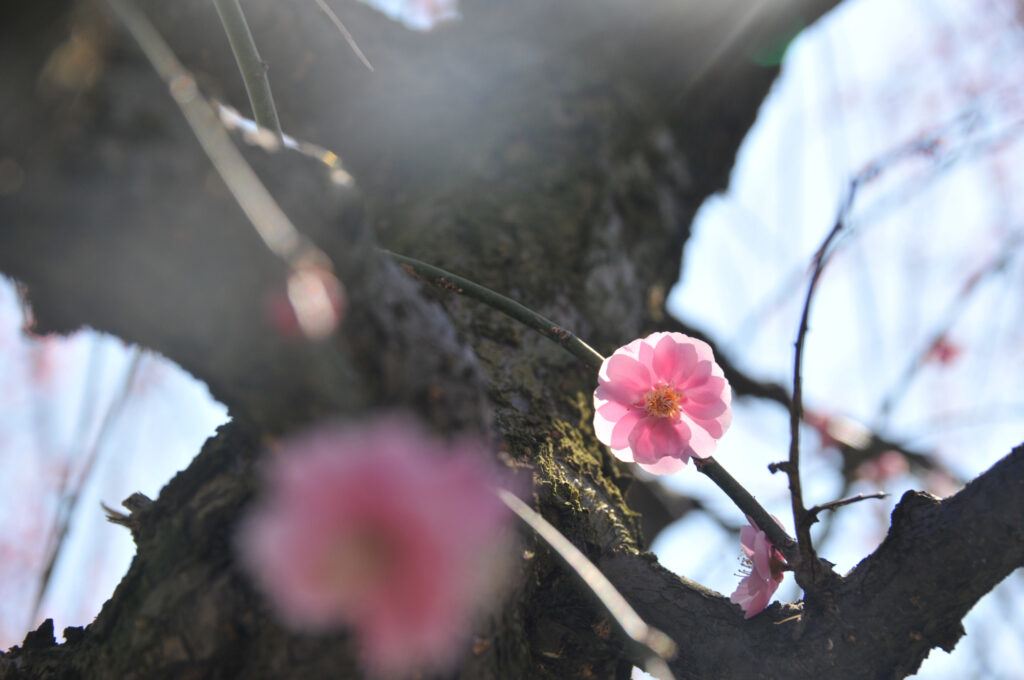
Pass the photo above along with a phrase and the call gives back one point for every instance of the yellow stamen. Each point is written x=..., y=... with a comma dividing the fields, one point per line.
x=662, y=402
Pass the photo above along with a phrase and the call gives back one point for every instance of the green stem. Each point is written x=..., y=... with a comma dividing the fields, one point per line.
x=254, y=71
x=546, y=327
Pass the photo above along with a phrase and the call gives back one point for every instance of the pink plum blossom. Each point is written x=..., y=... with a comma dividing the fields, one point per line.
x=885, y=466
x=383, y=530
x=766, y=565
x=311, y=305
x=660, y=400
x=836, y=431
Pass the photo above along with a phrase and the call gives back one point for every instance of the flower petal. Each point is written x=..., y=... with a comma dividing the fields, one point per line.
x=702, y=371
x=752, y=595
x=612, y=410
x=673, y=359
x=655, y=438
x=664, y=466
x=701, y=442
x=618, y=392
x=710, y=412
x=757, y=588
x=645, y=350
x=708, y=392
x=762, y=556
x=703, y=349
x=623, y=430
x=747, y=536
x=626, y=373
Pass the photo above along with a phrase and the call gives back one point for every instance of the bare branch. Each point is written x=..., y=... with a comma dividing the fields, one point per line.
x=254, y=71
x=313, y=288
x=894, y=608
x=806, y=571
x=749, y=505
x=344, y=32
x=834, y=505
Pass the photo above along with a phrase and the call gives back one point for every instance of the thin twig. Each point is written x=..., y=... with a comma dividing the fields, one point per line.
x=254, y=71
x=263, y=212
x=742, y=383
x=344, y=32
x=267, y=218
x=714, y=471
x=808, y=565
x=546, y=327
x=833, y=505
x=69, y=501
x=1005, y=254
x=231, y=119
x=86, y=416
x=657, y=645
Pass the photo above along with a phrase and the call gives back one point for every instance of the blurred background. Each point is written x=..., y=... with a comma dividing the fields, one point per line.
x=915, y=351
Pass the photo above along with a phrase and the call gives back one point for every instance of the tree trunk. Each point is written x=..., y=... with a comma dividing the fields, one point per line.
x=555, y=152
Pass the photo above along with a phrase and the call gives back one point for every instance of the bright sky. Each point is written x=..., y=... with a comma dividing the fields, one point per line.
x=55, y=395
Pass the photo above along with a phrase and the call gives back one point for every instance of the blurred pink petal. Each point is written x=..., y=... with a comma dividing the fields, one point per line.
x=944, y=352
x=838, y=431
x=381, y=529
x=885, y=466
x=311, y=305
x=662, y=397
x=766, y=566
x=317, y=299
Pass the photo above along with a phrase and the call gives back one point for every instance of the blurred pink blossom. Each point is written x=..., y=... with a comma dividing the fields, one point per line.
x=885, y=466
x=384, y=530
x=310, y=306
x=943, y=351
x=766, y=565
x=837, y=431
x=660, y=400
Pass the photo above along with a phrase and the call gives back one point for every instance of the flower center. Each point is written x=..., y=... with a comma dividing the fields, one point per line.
x=358, y=561
x=662, y=402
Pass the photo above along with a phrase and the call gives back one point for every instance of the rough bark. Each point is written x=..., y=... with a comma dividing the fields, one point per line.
x=883, y=618
x=553, y=151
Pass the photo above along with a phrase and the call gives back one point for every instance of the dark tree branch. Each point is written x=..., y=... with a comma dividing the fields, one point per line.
x=714, y=471
x=908, y=597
